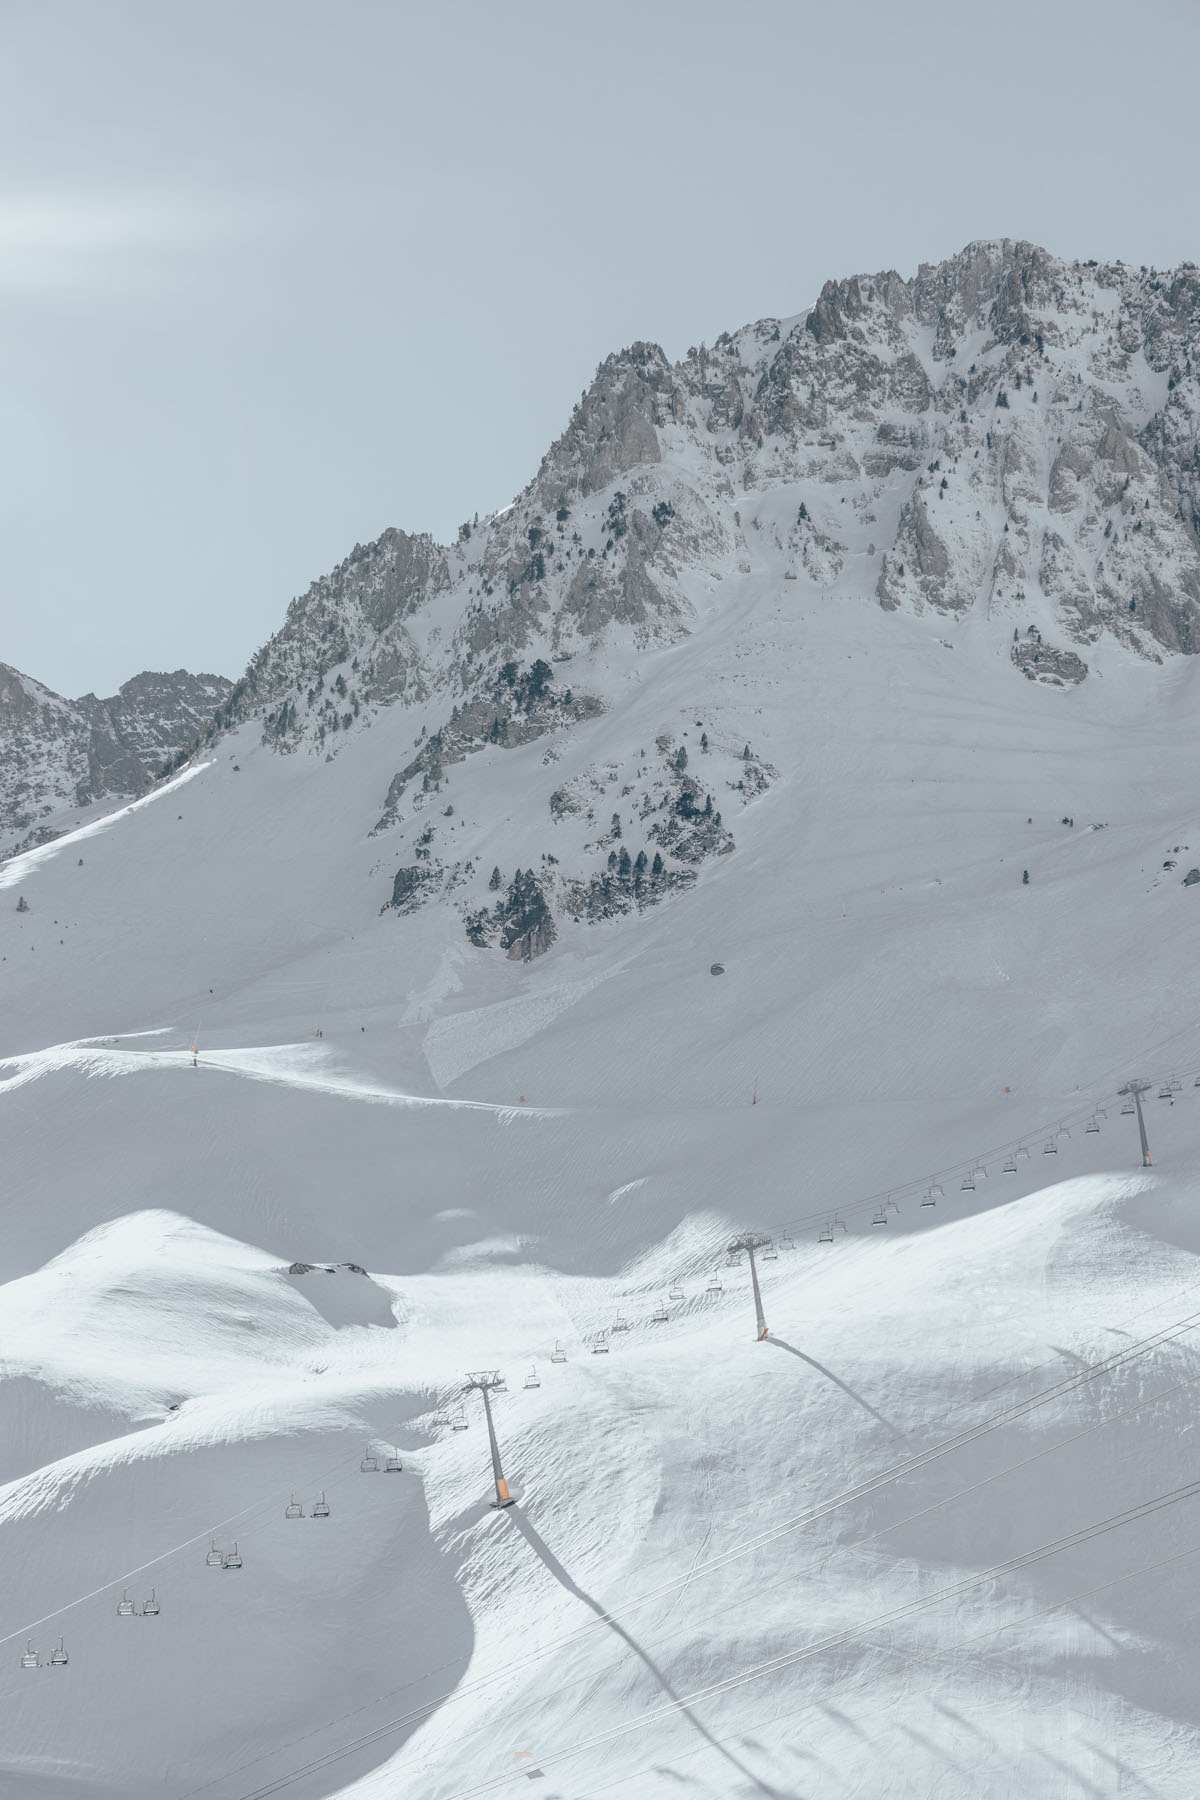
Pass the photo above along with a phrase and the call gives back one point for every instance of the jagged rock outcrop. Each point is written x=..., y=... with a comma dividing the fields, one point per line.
x=57, y=753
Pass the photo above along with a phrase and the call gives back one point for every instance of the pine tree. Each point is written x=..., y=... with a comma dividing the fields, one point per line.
x=22, y=904
x=704, y=740
x=496, y=878
x=656, y=867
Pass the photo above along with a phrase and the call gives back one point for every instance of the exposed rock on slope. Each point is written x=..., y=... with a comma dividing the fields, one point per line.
x=58, y=753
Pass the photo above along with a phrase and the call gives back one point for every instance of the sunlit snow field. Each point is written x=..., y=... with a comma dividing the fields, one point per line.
x=734, y=1568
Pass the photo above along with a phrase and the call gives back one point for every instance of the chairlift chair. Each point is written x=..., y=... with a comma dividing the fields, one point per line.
x=1049, y=1148
x=600, y=1344
x=370, y=1462
x=232, y=1559
x=715, y=1286
x=30, y=1659
x=620, y=1323
x=1196, y=1083
x=321, y=1507
x=880, y=1217
x=1092, y=1125
x=1175, y=1085
x=1010, y=1167
x=928, y=1199
x=558, y=1355
x=839, y=1224
x=1101, y=1112
x=677, y=1292
x=532, y=1380
x=1022, y=1150
x=770, y=1253
x=1164, y=1092
x=980, y=1171
x=1127, y=1110
x=968, y=1184
x=393, y=1465
x=460, y=1421
x=826, y=1235
x=662, y=1315
x=293, y=1509
x=214, y=1559
x=58, y=1656
x=937, y=1190
x=152, y=1609
x=787, y=1241
x=125, y=1607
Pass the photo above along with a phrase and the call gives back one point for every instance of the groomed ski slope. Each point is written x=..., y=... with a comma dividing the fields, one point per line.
x=734, y=1568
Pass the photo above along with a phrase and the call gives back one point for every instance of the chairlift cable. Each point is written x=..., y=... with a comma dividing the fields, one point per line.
x=1069, y=1384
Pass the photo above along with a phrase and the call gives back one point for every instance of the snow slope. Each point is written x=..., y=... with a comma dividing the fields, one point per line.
x=900, y=1549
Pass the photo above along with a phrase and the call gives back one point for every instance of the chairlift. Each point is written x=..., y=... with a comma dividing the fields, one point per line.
x=1050, y=1148
x=1175, y=1085
x=293, y=1509
x=152, y=1609
x=968, y=1184
x=715, y=1285
x=662, y=1315
x=1023, y=1151
x=214, y=1559
x=733, y=1261
x=600, y=1344
x=321, y=1507
x=839, y=1224
x=787, y=1241
x=532, y=1380
x=937, y=1190
x=1196, y=1083
x=826, y=1235
x=677, y=1292
x=1092, y=1125
x=1164, y=1092
x=770, y=1253
x=370, y=1462
x=58, y=1656
x=232, y=1559
x=1127, y=1110
x=929, y=1200
x=1010, y=1167
x=980, y=1171
x=558, y=1355
x=880, y=1217
x=1063, y=1131
x=125, y=1607
x=393, y=1465
x=1101, y=1112
x=459, y=1422
x=620, y=1323
x=30, y=1659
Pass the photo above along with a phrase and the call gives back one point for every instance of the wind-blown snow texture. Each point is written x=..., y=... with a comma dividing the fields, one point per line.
x=306, y=1114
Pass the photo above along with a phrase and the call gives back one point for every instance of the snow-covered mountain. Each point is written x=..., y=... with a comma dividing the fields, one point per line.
x=58, y=754
x=351, y=1061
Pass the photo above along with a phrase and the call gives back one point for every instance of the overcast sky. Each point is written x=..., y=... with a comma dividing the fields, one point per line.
x=275, y=276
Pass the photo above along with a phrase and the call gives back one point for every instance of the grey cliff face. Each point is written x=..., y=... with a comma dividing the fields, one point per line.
x=1005, y=436
x=71, y=753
